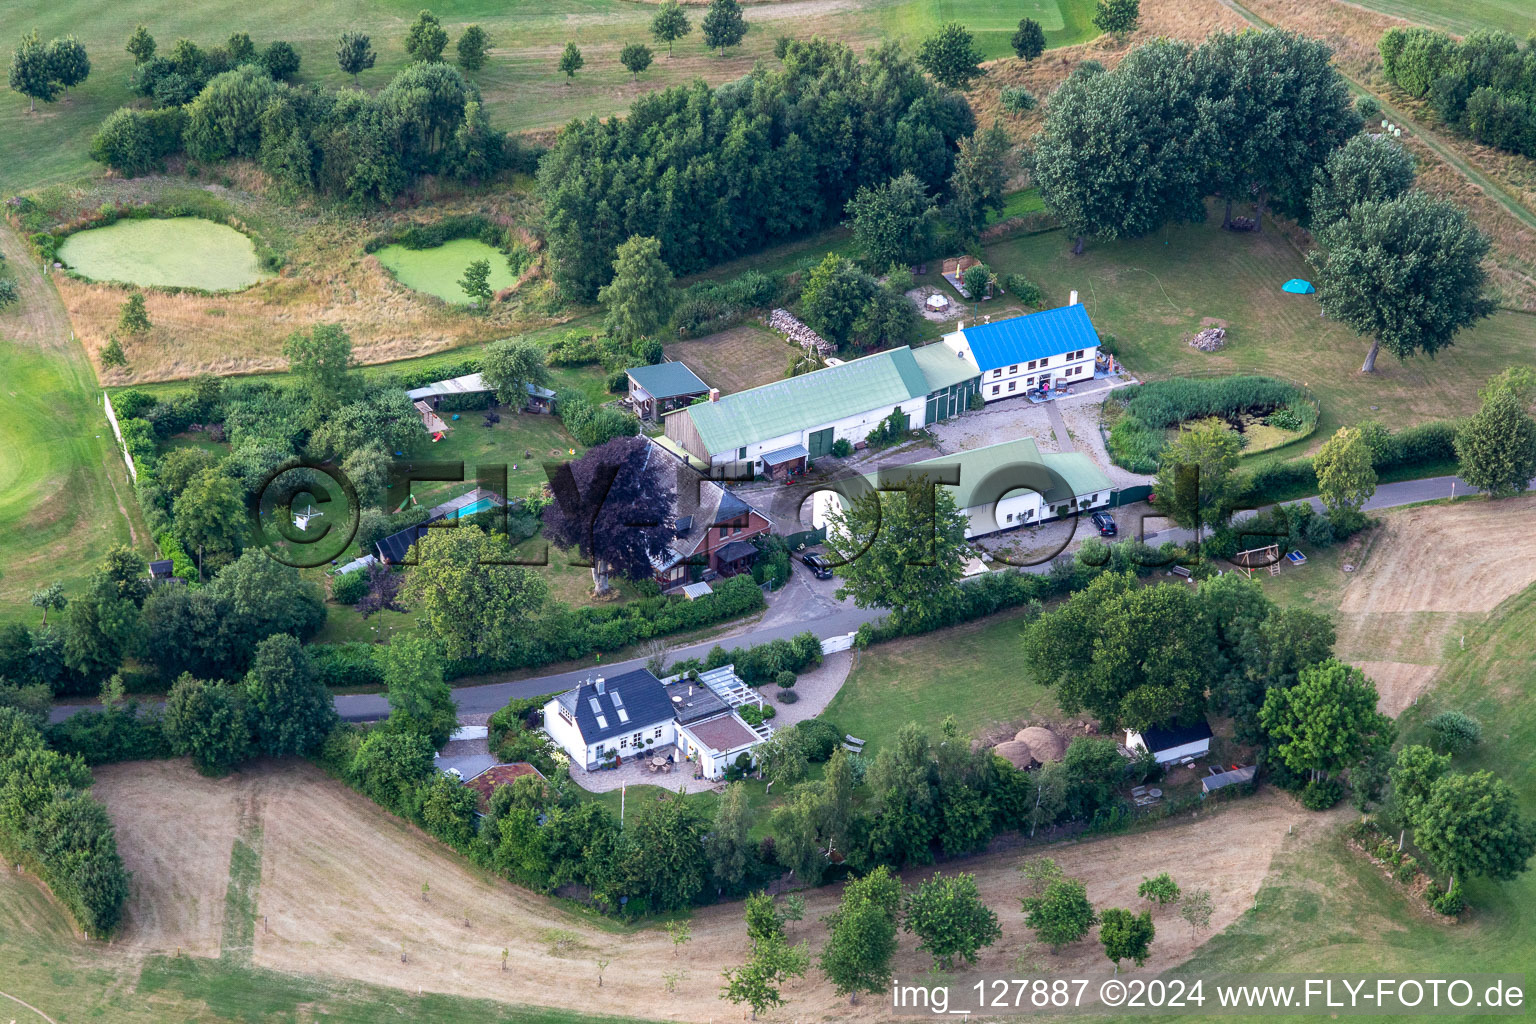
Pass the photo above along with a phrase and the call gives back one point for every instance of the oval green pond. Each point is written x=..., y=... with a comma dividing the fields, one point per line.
x=180, y=252
x=437, y=271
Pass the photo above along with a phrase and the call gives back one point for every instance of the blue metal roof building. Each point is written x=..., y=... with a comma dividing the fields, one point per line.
x=1023, y=338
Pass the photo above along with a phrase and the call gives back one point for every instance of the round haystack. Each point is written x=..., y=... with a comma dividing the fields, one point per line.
x=1016, y=753
x=1046, y=745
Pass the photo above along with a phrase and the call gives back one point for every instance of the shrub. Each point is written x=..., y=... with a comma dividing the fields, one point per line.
x=1018, y=100
x=819, y=738
x=1368, y=109
x=1319, y=532
x=1321, y=794
x=281, y=60
x=1406, y=871
x=347, y=665
x=785, y=679
x=1450, y=903
x=1167, y=403
x=1454, y=732
x=842, y=448
x=1023, y=289
x=107, y=737
x=349, y=588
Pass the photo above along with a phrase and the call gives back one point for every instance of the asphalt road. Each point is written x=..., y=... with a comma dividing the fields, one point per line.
x=805, y=604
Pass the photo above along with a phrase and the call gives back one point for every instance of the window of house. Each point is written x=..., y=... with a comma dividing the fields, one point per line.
x=1032, y=363
x=1010, y=517
x=1014, y=368
x=637, y=739
x=1030, y=382
x=741, y=453
x=1013, y=385
x=723, y=530
x=997, y=372
x=658, y=732
x=599, y=749
x=736, y=529
x=623, y=744
x=996, y=388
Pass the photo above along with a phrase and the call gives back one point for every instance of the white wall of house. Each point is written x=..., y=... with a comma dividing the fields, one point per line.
x=561, y=727
x=1199, y=748
x=999, y=382
x=854, y=429
x=713, y=762
x=1016, y=508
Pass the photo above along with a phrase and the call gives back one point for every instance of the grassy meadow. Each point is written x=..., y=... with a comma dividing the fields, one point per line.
x=1462, y=16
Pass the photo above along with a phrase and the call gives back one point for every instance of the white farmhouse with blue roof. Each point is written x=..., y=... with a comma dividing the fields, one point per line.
x=1044, y=350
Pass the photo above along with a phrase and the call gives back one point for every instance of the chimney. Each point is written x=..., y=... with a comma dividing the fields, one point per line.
x=714, y=393
x=962, y=325
x=1073, y=300
x=601, y=686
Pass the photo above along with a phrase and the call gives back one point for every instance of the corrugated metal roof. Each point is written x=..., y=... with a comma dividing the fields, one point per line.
x=941, y=368
x=984, y=478
x=694, y=591
x=810, y=400
x=667, y=380
x=1047, y=333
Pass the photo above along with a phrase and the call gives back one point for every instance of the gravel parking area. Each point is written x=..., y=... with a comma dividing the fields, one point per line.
x=998, y=422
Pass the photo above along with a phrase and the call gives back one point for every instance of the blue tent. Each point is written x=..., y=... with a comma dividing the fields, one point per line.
x=1296, y=286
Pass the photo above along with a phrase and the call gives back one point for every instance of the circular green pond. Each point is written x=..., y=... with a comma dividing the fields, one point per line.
x=171, y=252
x=437, y=271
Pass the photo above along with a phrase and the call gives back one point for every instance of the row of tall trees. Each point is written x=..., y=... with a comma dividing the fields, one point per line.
x=712, y=173
x=1483, y=84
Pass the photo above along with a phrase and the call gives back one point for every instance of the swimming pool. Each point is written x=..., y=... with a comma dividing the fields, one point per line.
x=479, y=506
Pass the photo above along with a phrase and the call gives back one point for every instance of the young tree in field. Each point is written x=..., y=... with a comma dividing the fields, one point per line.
x=426, y=39
x=476, y=283
x=1029, y=41
x=321, y=362
x=1117, y=17
x=291, y=711
x=1197, y=482
x=782, y=758
x=861, y=935
x=419, y=700
x=977, y=279
x=141, y=45
x=1126, y=936
x=950, y=920
x=1496, y=448
x=1471, y=826
x=1195, y=908
x=1345, y=477
x=472, y=47
x=1455, y=732
x=980, y=177
x=1161, y=889
x=1406, y=272
x=762, y=917
x=1039, y=873
x=893, y=223
x=729, y=844
x=756, y=982
x=206, y=722
x=613, y=512
x=571, y=60
x=70, y=63
x=280, y=59
x=670, y=24
x=723, y=25
x=1327, y=722
x=510, y=366
x=134, y=318
x=1366, y=169
x=639, y=298
x=1061, y=915
x=49, y=598
x=354, y=53
x=32, y=72
x=635, y=57
x=900, y=549
x=472, y=600
x=951, y=57
x=1114, y=158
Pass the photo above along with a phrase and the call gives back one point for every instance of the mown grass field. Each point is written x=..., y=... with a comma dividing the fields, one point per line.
x=522, y=87
x=1148, y=296
x=1462, y=16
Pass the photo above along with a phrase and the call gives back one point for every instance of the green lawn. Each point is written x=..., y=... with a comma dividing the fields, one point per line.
x=522, y=88
x=971, y=672
x=1148, y=296
x=1463, y=16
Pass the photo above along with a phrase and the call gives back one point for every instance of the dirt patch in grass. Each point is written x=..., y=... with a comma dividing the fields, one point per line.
x=340, y=892
x=1398, y=683
x=1466, y=557
x=175, y=830
x=734, y=360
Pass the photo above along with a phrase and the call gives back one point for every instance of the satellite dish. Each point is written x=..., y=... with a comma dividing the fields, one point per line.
x=302, y=517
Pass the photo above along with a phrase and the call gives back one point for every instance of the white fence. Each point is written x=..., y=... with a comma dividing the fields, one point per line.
x=117, y=432
x=833, y=644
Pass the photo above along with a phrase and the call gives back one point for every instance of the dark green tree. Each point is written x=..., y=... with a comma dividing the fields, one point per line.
x=670, y=24
x=510, y=366
x=861, y=935
x=1471, y=826
x=425, y=40
x=206, y=721
x=321, y=363
x=354, y=53
x=729, y=846
x=1029, y=41
x=281, y=60
x=1327, y=722
x=981, y=176
x=419, y=699
x=951, y=57
x=290, y=709
x=32, y=72
x=1496, y=448
x=639, y=297
x=571, y=60
x=1406, y=272
x=1366, y=169
x=1117, y=17
x=472, y=47
x=1126, y=935
x=210, y=519
x=472, y=600
x=723, y=25
x=70, y=63
x=835, y=294
x=893, y=223
x=1197, y=481
x=635, y=57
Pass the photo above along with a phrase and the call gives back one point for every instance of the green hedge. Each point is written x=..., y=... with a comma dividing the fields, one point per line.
x=354, y=664
x=107, y=737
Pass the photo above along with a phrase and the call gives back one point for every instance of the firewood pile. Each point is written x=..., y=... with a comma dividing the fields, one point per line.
x=787, y=324
x=1212, y=339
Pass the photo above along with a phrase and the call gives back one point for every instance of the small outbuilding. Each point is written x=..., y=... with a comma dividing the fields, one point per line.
x=1232, y=777
x=1171, y=743
x=662, y=387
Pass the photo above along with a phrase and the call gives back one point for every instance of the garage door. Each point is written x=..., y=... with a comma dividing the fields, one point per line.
x=821, y=443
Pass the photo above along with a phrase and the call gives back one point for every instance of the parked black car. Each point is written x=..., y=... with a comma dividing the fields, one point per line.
x=1106, y=524
x=819, y=566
